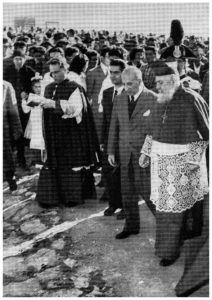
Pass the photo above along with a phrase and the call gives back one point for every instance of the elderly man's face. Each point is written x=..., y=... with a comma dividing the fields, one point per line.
x=131, y=84
x=163, y=83
x=166, y=87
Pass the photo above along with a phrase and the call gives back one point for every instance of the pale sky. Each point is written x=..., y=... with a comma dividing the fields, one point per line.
x=131, y=17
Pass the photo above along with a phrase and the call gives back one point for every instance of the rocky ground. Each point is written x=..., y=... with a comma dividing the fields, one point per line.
x=72, y=252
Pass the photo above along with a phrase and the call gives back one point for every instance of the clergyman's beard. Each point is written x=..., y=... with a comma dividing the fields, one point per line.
x=165, y=97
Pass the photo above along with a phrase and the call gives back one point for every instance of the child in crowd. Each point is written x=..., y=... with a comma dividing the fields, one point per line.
x=34, y=129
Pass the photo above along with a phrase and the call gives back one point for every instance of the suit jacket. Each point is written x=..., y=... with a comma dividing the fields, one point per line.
x=12, y=129
x=107, y=104
x=94, y=81
x=129, y=134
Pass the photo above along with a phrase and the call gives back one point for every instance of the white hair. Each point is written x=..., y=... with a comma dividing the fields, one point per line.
x=132, y=71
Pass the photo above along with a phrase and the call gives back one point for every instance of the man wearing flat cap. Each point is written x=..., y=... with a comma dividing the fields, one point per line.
x=176, y=143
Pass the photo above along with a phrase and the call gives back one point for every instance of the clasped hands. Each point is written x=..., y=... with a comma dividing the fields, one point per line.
x=144, y=161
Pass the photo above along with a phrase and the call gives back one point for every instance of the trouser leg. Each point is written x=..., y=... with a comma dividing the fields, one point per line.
x=142, y=183
x=112, y=183
x=88, y=184
x=20, y=145
x=9, y=175
x=168, y=234
x=129, y=198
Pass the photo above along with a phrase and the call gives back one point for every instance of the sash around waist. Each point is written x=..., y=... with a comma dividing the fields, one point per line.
x=168, y=149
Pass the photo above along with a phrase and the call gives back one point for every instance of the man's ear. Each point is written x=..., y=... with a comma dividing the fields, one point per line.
x=139, y=81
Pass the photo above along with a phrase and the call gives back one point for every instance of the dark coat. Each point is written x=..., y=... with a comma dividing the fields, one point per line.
x=94, y=81
x=21, y=82
x=68, y=144
x=129, y=134
x=11, y=128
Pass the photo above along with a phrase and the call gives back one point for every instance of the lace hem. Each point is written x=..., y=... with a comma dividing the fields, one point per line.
x=196, y=150
x=174, y=186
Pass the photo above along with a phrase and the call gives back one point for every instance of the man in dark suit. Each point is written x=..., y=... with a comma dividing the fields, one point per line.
x=111, y=175
x=19, y=75
x=128, y=131
x=94, y=81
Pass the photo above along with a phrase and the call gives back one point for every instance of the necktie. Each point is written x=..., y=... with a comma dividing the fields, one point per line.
x=115, y=94
x=131, y=105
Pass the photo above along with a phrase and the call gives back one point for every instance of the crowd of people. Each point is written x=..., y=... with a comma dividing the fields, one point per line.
x=132, y=107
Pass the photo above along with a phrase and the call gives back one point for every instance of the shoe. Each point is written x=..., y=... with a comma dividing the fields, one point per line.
x=167, y=262
x=13, y=185
x=120, y=215
x=48, y=206
x=125, y=234
x=109, y=211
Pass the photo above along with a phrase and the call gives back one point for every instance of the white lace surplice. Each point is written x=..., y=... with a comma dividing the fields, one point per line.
x=174, y=187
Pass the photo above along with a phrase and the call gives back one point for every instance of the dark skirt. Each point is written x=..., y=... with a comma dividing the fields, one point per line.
x=173, y=228
x=63, y=186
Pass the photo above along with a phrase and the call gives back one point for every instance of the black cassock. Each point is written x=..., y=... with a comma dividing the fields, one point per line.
x=69, y=145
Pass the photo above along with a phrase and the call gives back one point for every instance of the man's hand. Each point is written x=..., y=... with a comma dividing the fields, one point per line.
x=47, y=103
x=102, y=147
x=111, y=160
x=90, y=101
x=24, y=95
x=144, y=161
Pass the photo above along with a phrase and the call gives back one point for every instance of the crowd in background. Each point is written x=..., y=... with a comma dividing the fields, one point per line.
x=81, y=52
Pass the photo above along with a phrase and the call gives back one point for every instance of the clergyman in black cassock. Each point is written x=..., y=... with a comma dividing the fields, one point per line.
x=71, y=145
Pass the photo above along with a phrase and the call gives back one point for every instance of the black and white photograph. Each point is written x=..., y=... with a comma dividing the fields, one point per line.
x=105, y=149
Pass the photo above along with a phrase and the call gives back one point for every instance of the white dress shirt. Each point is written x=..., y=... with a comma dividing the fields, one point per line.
x=141, y=87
